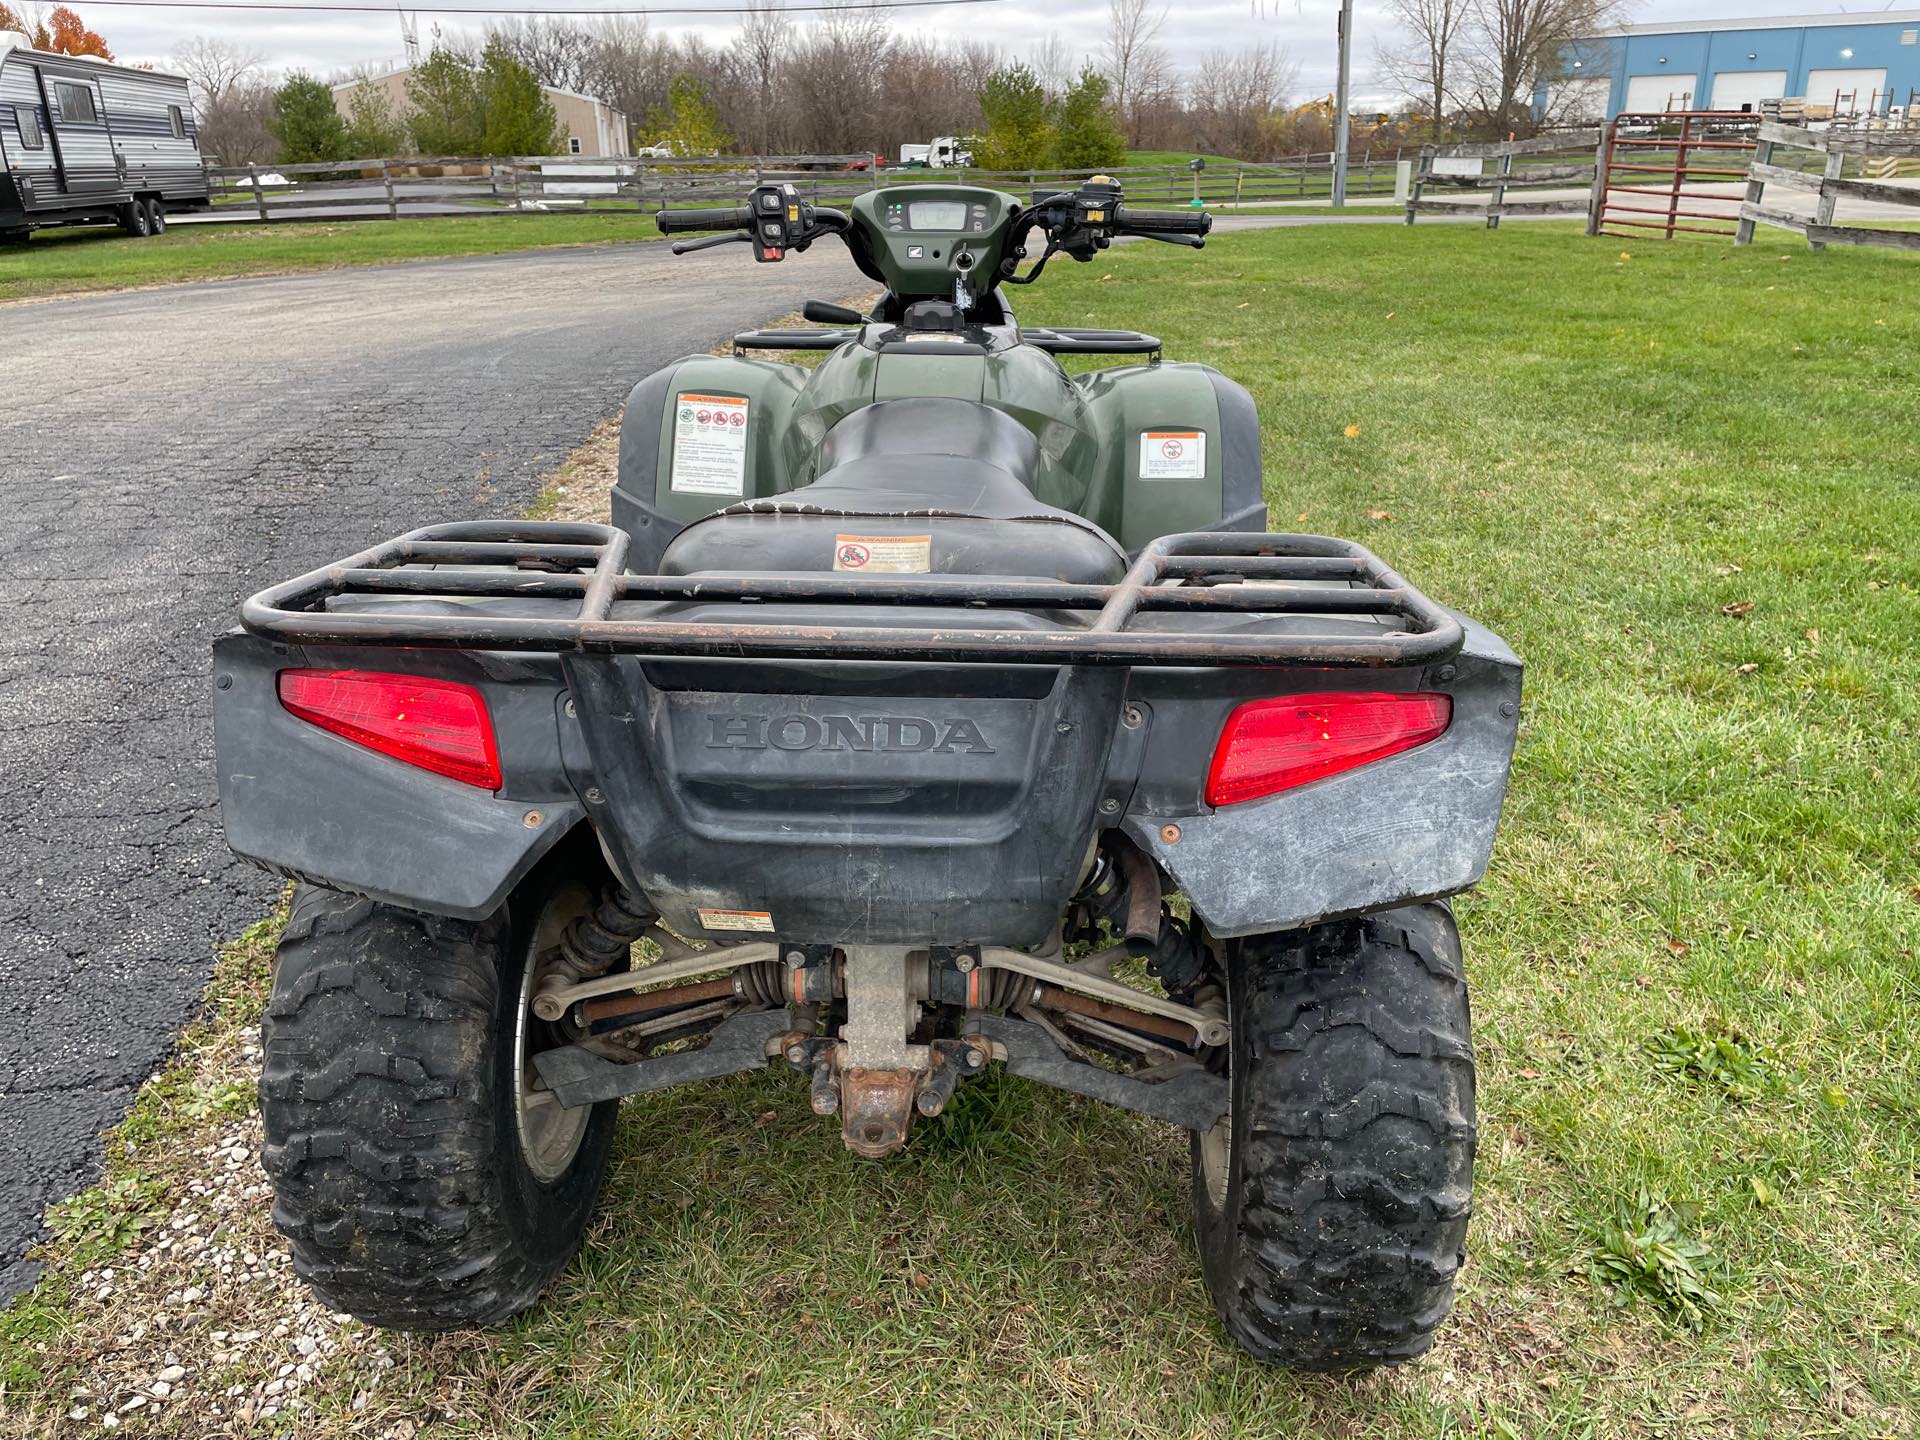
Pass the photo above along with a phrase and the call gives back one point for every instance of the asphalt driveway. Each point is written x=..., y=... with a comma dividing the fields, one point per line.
x=163, y=454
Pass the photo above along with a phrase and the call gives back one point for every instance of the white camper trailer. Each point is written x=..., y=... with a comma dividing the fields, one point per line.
x=86, y=142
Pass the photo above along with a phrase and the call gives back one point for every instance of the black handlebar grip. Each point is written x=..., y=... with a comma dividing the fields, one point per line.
x=718, y=217
x=1163, y=222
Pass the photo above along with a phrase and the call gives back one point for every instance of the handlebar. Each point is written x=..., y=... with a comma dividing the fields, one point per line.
x=1129, y=221
x=717, y=217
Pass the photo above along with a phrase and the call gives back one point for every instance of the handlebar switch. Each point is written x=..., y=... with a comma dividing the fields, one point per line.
x=781, y=221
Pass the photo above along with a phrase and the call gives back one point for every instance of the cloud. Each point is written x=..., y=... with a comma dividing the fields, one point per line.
x=1304, y=28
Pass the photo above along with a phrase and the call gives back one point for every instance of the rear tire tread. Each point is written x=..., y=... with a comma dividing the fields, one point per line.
x=379, y=1099
x=1358, y=1133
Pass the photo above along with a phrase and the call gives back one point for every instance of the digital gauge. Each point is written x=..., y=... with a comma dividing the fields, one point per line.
x=937, y=215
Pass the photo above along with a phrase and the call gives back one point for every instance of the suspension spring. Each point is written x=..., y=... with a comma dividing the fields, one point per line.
x=600, y=939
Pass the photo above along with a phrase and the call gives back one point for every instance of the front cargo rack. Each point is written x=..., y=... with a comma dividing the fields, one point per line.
x=1204, y=573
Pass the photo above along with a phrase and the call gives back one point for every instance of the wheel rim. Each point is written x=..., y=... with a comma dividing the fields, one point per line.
x=1216, y=1145
x=1216, y=1159
x=550, y=1134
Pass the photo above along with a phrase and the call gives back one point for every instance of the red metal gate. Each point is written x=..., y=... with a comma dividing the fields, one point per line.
x=1666, y=156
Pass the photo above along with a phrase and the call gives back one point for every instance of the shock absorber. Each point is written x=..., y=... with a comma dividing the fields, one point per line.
x=595, y=942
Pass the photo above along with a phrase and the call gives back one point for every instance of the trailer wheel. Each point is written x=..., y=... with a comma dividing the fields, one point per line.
x=135, y=220
x=156, y=217
x=423, y=1181
x=1331, y=1202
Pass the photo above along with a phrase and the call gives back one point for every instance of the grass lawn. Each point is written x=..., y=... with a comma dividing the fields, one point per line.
x=1681, y=480
x=57, y=261
x=1180, y=157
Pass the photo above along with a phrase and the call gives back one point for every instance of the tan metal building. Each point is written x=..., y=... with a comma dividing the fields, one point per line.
x=592, y=127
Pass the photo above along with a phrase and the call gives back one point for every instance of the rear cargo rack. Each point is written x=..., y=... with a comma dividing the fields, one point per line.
x=1209, y=573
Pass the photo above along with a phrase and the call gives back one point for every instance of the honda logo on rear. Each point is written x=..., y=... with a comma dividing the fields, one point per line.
x=888, y=734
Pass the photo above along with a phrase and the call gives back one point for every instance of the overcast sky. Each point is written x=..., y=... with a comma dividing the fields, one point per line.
x=325, y=43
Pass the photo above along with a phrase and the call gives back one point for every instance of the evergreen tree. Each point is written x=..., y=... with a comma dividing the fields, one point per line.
x=305, y=122
x=517, y=117
x=445, y=94
x=689, y=123
x=1089, y=135
x=1019, y=121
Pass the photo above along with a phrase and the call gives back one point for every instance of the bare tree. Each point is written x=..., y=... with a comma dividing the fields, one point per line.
x=1421, y=63
x=233, y=124
x=559, y=52
x=213, y=67
x=1054, y=62
x=632, y=68
x=836, y=81
x=926, y=90
x=1234, y=97
x=1518, y=44
x=1130, y=59
x=766, y=36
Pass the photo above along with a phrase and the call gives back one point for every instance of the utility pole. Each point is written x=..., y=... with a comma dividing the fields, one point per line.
x=1343, y=102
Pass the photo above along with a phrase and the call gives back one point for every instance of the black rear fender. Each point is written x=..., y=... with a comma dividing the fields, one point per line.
x=1413, y=826
x=310, y=805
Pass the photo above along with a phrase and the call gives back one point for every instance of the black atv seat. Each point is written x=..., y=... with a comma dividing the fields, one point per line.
x=955, y=473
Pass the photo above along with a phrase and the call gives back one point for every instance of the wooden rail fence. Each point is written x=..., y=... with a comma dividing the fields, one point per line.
x=1830, y=186
x=450, y=187
x=1549, y=162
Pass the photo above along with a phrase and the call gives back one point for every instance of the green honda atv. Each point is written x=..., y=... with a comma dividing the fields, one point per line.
x=927, y=711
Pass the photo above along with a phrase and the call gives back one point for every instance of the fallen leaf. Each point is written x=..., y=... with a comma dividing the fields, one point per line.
x=1879, y=322
x=1351, y=432
x=1677, y=947
x=920, y=1281
x=1727, y=569
x=1529, y=1074
x=1379, y=515
x=1746, y=669
x=1813, y=638
x=1762, y=1191
x=1301, y=518
x=1738, y=608
x=1626, y=254
x=1643, y=982
x=1834, y=1096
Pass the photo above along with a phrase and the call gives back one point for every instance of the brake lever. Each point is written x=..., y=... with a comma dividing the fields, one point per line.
x=682, y=247
x=1191, y=241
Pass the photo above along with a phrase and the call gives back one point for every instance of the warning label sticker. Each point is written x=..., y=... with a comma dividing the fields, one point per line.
x=736, y=920
x=709, y=445
x=883, y=554
x=1173, y=454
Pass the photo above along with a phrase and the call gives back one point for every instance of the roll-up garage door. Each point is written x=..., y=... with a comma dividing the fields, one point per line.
x=1745, y=89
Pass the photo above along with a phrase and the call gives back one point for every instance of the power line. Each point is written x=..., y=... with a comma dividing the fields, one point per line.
x=728, y=10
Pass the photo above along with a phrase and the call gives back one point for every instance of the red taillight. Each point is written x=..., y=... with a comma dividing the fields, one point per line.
x=438, y=725
x=1271, y=745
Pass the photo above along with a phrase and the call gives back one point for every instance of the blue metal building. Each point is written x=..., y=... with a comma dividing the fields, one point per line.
x=1868, y=63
